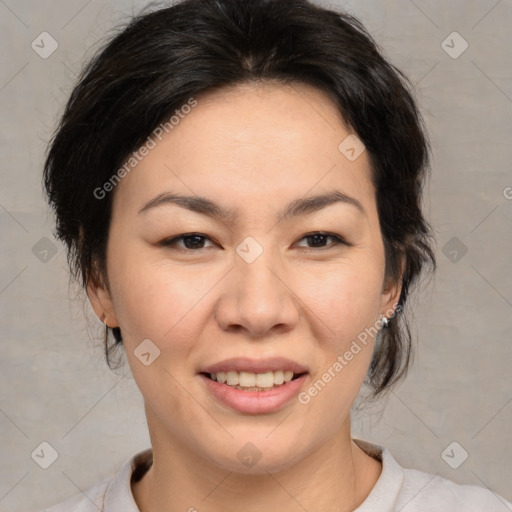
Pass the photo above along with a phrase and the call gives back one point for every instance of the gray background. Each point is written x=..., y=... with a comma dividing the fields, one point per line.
x=54, y=384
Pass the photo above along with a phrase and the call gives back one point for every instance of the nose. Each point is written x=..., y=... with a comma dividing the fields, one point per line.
x=257, y=299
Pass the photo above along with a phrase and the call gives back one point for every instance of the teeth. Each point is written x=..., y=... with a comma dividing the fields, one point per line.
x=232, y=378
x=278, y=377
x=263, y=380
x=248, y=380
x=251, y=380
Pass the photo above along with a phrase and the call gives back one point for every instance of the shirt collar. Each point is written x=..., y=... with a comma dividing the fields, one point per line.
x=119, y=496
x=383, y=496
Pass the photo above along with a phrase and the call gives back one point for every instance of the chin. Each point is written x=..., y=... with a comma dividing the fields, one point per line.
x=257, y=466
x=254, y=455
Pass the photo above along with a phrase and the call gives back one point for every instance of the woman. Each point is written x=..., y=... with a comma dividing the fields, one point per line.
x=239, y=187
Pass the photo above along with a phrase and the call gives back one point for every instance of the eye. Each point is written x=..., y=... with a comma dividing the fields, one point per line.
x=191, y=241
x=196, y=241
x=318, y=239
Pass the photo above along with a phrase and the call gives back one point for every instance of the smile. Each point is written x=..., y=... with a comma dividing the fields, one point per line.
x=247, y=381
x=254, y=399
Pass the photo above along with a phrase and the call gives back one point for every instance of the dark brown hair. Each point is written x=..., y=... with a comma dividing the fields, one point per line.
x=163, y=57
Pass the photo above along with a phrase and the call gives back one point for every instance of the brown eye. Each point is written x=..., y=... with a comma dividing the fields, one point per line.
x=191, y=241
x=318, y=240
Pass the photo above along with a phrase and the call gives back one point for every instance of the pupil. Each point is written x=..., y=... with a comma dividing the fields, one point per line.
x=197, y=240
x=316, y=238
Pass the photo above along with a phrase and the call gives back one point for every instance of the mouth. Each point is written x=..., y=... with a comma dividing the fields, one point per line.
x=247, y=395
x=254, y=386
x=248, y=381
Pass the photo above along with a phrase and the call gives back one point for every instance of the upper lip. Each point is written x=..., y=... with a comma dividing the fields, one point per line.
x=246, y=364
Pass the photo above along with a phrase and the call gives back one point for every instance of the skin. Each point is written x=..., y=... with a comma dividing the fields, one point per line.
x=254, y=148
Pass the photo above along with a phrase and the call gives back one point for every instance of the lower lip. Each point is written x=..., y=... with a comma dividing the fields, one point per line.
x=255, y=402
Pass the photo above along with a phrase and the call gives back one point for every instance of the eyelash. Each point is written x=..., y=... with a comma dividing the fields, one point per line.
x=338, y=240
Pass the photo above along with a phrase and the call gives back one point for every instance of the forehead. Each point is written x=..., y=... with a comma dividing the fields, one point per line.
x=242, y=141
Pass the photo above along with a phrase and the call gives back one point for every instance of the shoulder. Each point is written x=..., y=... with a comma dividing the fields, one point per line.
x=113, y=493
x=90, y=501
x=422, y=492
x=412, y=490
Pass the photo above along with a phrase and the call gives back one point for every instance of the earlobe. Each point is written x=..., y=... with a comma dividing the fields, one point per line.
x=392, y=295
x=101, y=303
x=389, y=303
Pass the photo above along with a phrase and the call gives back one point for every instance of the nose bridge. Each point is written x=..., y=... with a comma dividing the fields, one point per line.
x=257, y=275
x=257, y=285
x=257, y=298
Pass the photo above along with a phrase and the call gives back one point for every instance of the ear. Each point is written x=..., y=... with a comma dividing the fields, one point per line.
x=101, y=301
x=391, y=294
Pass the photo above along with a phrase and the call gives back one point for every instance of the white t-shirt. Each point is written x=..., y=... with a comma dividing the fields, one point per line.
x=397, y=489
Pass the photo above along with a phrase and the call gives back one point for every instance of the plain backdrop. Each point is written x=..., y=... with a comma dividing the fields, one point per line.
x=55, y=387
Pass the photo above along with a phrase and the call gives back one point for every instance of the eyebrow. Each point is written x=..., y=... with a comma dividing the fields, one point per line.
x=205, y=206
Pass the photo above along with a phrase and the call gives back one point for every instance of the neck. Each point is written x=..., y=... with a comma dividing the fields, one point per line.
x=336, y=477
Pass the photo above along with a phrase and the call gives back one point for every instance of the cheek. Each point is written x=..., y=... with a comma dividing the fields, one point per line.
x=153, y=298
x=345, y=303
x=346, y=298
x=163, y=305
x=157, y=300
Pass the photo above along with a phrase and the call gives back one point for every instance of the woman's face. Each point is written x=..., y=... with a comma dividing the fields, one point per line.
x=256, y=285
